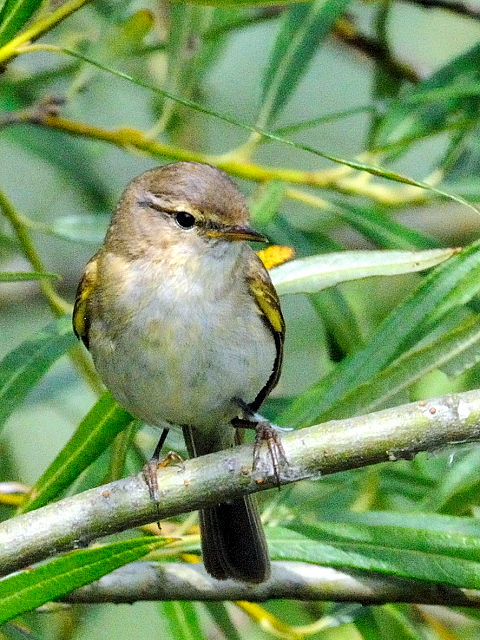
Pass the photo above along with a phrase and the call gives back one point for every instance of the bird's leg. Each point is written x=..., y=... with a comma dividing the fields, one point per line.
x=152, y=466
x=265, y=431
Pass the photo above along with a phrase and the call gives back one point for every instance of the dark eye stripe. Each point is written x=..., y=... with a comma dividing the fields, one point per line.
x=184, y=219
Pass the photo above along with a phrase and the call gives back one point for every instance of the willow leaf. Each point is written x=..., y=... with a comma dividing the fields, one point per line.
x=304, y=28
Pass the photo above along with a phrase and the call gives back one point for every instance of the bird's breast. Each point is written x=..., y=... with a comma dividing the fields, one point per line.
x=177, y=345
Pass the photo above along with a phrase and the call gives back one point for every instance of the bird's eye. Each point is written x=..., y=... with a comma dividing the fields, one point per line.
x=185, y=220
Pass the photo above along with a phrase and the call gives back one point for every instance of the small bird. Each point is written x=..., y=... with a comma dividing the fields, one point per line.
x=185, y=330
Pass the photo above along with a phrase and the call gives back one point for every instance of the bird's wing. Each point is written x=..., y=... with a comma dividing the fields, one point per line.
x=81, y=320
x=266, y=299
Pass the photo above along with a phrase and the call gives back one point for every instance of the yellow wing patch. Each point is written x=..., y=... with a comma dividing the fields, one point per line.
x=81, y=320
x=267, y=301
x=264, y=294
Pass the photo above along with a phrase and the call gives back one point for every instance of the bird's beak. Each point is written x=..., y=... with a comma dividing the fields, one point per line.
x=237, y=232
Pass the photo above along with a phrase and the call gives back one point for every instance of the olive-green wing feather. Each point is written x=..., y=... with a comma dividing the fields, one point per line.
x=266, y=298
x=81, y=318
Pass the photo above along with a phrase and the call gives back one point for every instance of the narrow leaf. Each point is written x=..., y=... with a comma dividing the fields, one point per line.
x=459, y=478
x=221, y=616
x=436, y=101
x=382, y=229
x=431, y=521
x=415, y=538
x=14, y=14
x=22, y=368
x=304, y=28
x=182, y=619
x=452, y=353
x=308, y=275
x=30, y=589
x=360, y=166
x=443, y=289
x=93, y=435
x=265, y=206
x=406, y=563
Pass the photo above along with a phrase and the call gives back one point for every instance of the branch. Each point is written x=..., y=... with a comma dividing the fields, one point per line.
x=291, y=580
x=338, y=179
x=334, y=446
x=346, y=31
x=462, y=8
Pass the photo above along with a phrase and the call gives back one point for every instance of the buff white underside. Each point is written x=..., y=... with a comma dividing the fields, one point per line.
x=192, y=338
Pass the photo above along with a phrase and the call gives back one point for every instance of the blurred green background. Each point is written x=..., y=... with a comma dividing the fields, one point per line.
x=218, y=56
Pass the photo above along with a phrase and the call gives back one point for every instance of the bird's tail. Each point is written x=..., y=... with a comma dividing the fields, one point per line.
x=233, y=540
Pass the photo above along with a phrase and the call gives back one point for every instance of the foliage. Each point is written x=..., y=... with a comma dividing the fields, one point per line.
x=361, y=161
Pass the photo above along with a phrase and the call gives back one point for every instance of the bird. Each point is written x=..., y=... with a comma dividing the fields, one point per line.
x=186, y=331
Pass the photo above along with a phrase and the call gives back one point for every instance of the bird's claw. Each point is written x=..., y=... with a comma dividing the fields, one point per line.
x=151, y=478
x=267, y=432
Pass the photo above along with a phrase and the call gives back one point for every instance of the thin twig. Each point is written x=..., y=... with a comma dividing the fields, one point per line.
x=346, y=31
x=56, y=303
x=337, y=179
x=468, y=9
x=334, y=446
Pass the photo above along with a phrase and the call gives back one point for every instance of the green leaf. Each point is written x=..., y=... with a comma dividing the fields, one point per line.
x=20, y=276
x=31, y=588
x=93, y=435
x=412, y=537
x=267, y=203
x=8, y=245
x=441, y=291
x=183, y=620
x=453, y=353
x=22, y=368
x=463, y=477
x=303, y=29
x=312, y=274
x=131, y=32
x=295, y=127
x=339, y=319
x=13, y=15
x=418, y=520
x=407, y=563
x=220, y=615
x=453, y=92
x=382, y=229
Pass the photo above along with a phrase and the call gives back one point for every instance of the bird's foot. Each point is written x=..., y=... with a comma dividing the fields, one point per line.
x=265, y=431
x=151, y=478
